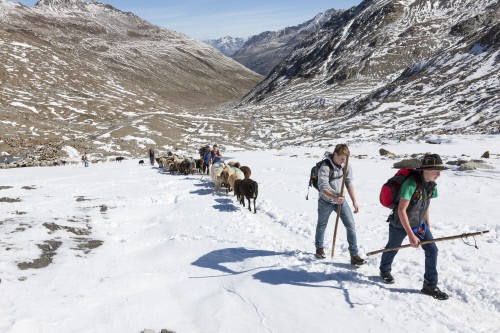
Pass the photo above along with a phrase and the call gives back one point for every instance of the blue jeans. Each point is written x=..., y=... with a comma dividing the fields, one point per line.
x=396, y=237
x=325, y=209
x=86, y=162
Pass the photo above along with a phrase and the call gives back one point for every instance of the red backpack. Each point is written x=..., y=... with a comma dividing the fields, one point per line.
x=389, y=194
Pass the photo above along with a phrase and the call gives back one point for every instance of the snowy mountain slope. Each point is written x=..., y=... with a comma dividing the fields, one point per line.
x=371, y=50
x=456, y=91
x=76, y=69
x=176, y=255
x=227, y=45
x=262, y=52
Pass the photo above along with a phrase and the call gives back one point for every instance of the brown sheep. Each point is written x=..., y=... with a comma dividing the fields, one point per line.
x=246, y=171
x=234, y=164
x=224, y=176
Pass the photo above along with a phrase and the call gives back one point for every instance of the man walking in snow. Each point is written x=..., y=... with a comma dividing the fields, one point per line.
x=152, y=156
x=207, y=157
x=85, y=159
x=329, y=184
x=411, y=218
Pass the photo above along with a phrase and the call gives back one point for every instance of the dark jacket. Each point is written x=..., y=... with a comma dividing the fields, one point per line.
x=419, y=203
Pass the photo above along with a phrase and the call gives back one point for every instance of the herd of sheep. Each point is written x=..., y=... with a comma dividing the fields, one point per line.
x=232, y=176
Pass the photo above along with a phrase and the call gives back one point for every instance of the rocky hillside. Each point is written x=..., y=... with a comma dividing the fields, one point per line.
x=88, y=75
x=398, y=69
x=264, y=51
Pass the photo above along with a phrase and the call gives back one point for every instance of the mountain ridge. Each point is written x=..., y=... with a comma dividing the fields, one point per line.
x=326, y=83
x=262, y=52
x=76, y=69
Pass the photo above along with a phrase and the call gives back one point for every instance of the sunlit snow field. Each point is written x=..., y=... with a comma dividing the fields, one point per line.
x=177, y=255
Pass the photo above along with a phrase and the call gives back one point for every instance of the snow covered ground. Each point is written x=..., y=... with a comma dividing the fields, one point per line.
x=178, y=256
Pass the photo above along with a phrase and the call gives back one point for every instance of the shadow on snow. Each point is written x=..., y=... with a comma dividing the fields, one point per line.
x=297, y=277
x=215, y=259
x=225, y=205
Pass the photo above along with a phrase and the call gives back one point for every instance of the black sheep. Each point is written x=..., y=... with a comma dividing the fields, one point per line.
x=248, y=189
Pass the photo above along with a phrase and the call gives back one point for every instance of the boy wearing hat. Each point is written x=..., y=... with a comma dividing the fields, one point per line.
x=411, y=218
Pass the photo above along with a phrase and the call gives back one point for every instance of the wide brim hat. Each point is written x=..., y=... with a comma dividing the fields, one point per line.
x=432, y=162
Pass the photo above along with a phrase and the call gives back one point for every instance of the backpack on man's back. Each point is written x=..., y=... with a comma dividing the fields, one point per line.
x=313, y=177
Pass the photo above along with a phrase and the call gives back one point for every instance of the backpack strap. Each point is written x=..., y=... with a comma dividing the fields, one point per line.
x=331, y=174
x=419, y=181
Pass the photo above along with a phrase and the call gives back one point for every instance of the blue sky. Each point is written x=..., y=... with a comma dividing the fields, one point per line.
x=210, y=19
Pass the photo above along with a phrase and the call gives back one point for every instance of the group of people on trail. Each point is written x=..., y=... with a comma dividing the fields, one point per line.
x=410, y=217
x=210, y=156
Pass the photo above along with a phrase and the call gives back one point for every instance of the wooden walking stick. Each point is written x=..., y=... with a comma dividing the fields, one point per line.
x=435, y=240
x=340, y=206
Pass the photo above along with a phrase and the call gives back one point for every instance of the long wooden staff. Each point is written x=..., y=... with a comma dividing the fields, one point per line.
x=435, y=240
x=340, y=206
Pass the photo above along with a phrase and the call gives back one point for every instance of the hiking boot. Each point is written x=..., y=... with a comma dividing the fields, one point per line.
x=387, y=277
x=356, y=260
x=434, y=292
x=320, y=253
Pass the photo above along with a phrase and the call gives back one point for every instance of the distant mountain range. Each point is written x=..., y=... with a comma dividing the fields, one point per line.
x=262, y=52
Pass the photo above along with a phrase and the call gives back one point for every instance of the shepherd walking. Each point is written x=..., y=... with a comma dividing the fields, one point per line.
x=85, y=159
x=330, y=179
x=152, y=156
x=411, y=218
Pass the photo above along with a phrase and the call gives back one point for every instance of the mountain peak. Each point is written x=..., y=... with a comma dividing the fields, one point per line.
x=59, y=4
